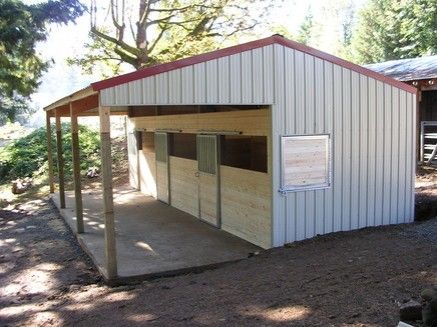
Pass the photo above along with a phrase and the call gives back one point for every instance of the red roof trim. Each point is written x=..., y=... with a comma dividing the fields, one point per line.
x=275, y=39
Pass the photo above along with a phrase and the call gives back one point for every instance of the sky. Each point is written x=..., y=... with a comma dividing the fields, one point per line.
x=66, y=41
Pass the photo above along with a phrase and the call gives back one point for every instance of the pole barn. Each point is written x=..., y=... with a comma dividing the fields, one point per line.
x=271, y=141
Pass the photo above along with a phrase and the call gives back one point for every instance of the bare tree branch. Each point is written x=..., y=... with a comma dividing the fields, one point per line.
x=113, y=40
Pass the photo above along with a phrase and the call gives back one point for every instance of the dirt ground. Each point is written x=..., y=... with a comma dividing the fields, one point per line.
x=343, y=279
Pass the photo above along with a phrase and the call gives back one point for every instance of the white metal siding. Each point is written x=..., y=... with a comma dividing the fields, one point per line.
x=243, y=78
x=371, y=125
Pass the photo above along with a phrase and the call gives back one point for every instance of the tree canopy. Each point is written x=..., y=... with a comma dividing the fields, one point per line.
x=395, y=29
x=21, y=27
x=146, y=32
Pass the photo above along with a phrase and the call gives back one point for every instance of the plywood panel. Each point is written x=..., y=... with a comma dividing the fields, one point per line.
x=208, y=193
x=246, y=204
x=148, y=173
x=162, y=182
x=184, y=185
x=250, y=122
x=305, y=161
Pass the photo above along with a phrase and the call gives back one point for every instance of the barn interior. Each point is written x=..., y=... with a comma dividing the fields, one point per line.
x=209, y=161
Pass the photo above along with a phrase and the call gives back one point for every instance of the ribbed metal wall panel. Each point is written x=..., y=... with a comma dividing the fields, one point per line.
x=243, y=78
x=371, y=125
x=372, y=132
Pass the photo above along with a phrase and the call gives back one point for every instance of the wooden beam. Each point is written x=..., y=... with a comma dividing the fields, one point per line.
x=49, y=153
x=76, y=170
x=96, y=113
x=60, y=160
x=108, y=202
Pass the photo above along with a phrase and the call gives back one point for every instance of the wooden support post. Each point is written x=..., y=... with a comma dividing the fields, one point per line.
x=76, y=170
x=60, y=160
x=108, y=205
x=49, y=152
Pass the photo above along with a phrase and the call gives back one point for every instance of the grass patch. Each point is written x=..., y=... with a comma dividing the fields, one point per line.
x=27, y=156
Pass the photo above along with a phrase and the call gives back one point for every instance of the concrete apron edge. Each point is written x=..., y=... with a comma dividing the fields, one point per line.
x=136, y=279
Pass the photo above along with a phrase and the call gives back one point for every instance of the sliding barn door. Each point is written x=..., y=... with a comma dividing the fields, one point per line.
x=162, y=165
x=208, y=167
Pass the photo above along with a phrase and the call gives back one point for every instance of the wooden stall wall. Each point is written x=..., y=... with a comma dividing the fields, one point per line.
x=147, y=165
x=248, y=122
x=246, y=204
x=184, y=185
x=245, y=194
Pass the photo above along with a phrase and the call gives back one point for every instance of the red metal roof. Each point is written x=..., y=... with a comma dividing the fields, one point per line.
x=275, y=39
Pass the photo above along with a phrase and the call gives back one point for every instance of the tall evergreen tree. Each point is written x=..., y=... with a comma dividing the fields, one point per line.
x=21, y=27
x=306, y=28
x=395, y=29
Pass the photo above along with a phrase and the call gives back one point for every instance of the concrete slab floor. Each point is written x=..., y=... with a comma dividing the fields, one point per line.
x=151, y=237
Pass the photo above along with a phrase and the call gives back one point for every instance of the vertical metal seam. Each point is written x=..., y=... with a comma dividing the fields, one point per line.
x=284, y=128
x=240, y=68
x=334, y=175
x=368, y=150
x=305, y=131
x=360, y=131
x=390, y=137
x=342, y=148
x=322, y=67
x=252, y=100
x=413, y=155
x=398, y=155
x=350, y=149
x=295, y=129
x=376, y=152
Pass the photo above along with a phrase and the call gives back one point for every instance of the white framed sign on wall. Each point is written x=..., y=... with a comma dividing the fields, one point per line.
x=305, y=162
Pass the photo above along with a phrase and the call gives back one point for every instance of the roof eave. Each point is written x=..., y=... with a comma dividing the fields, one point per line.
x=275, y=39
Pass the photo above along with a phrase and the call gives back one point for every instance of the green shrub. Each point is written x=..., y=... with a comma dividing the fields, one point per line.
x=27, y=156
